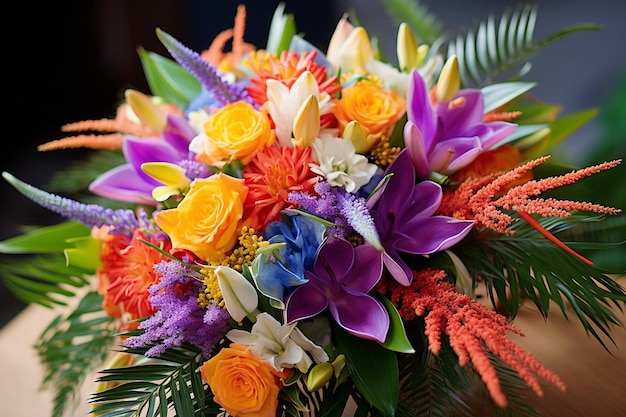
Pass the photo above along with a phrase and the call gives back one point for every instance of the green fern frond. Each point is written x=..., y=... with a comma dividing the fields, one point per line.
x=46, y=280
x=149, y=389
x=495, y=51
x=426, y=25
x=526, y=266
x=71, y=347
x=76, y=176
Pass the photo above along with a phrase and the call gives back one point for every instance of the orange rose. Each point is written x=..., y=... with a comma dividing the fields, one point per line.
x=235, y=132
x=375, y=109
x=208, y=220
x=241, y=383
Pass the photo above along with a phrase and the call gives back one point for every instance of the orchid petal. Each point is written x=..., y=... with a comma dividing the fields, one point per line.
x=123, y=183
x=452, y=154
x=420, y=111
x=362, y=316
x=442, y=231
x=417, y=149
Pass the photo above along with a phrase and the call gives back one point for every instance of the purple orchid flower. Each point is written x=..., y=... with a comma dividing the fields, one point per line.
x=342, y=276
x=128, y=182
x=403, y=214
x=447, y=137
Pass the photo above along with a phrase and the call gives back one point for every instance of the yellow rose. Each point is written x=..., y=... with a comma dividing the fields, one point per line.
x=208, y=220
x=235, y=132
x=241, y=383
x=377, y=110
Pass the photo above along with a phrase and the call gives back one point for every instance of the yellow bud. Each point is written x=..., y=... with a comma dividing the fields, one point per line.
x=406, y=48
x=355, y=134
x=319, y=376
x=306, y=125
x=338, y=364
x=146, y=111
x=172, y=175
x=422, y=51
x=449, y=80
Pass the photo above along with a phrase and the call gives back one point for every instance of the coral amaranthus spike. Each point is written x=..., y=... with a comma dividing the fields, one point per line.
x=478, y=198
x=472, y=328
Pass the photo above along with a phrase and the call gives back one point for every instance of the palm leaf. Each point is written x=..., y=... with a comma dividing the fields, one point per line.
x=527, y=266
x=151, y=388
x=501, y=50
x=426, y=25
x=71, y=347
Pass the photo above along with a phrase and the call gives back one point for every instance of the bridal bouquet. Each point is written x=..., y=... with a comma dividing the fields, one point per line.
x=292, y=231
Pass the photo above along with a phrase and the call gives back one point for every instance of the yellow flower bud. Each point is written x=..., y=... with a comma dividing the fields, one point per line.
x=338, y=364
x=449, y=80
x=306, y=125
x=319, y=376
x=406, y=48
x=354, y=133
x=422, y=51
x=172, y=175
x=146, y=110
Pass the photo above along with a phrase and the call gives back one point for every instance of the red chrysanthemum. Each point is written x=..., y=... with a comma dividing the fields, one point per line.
x=127, y=274
x=270, y=177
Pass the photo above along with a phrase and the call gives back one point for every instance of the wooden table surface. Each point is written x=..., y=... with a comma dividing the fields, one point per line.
x=596, y=380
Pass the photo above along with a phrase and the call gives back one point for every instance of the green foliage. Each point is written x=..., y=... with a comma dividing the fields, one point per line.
x=167, y=79
x=502, y=50
x=282, y=29
x=71, y=347
x=526, y=266
x=426, y=25
x=41, y=274
x=150, y=387
x=373, y=369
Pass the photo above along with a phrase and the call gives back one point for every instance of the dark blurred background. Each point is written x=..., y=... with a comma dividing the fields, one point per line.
x=71, y=60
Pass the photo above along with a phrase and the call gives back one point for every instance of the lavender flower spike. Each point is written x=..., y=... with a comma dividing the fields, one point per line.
x=91, y=215
x=206, y=73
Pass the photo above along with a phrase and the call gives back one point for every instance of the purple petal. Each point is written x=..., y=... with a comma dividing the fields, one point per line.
x=417, y=149
x=400, y=184
x=433, y=234
x=178, y=133
x=367, y=269
x=334, y=259
x=492, y=133
x=398, y=269
x=419, y=111
x=423, y=202
x=139, y=150
x=122, y=183
x=304, y=302
x=459, y=119
x=455, y=153
x=361, y=315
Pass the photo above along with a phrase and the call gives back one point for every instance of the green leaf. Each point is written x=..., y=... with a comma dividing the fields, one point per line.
x=559, y=130
x=167, y=79
x=396, y=337
x=373, y=369
x=496, y=95
x=282, y=29
x=426, y=25
x=50, y=239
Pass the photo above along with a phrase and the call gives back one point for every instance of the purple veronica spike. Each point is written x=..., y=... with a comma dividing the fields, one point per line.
x=124, y=221
x=206, y=73
x=447, y=138
x=403, y=213
x=179, y=319
x=340, y=280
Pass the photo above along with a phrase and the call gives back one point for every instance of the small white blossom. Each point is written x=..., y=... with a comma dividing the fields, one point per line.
x=280, y=346
x=338, y=162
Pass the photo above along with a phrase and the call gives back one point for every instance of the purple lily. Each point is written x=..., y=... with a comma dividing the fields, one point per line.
x=403, y=214
x=450, y=135
x=128, y=182
x=342, y=276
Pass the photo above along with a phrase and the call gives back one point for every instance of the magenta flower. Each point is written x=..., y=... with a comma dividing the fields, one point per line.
x=449, y=136
x=403, y=214
x=342, y=276
x=128, y=182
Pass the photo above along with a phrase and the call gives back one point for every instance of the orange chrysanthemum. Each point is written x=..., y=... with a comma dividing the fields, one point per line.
x=286, y=69
x=127, y=274
x=270, y=177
